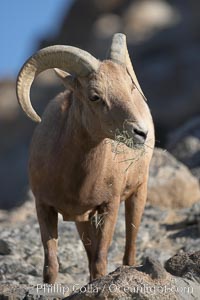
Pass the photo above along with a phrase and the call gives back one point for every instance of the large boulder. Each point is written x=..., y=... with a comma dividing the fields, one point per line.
x=185, y=265
x=150, y=281
x=171, y=184
x=184, y=144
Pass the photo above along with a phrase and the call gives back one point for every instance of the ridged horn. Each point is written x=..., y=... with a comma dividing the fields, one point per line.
x=119, y=53
x=66, y=58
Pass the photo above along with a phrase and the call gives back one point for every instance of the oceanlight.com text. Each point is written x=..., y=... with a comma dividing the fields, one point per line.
x=113, y=288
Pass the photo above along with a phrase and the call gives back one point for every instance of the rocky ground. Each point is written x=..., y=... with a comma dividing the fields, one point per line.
x=163, y=233
x=163, y=42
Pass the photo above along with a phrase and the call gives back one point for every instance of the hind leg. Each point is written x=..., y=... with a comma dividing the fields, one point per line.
x=48, y=220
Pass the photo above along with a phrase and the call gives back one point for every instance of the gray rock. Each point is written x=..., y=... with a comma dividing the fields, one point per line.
x=5, y=247
x=157, y=253
x=154, y=268
x=185, y=265
x=184, y=144
x=171, y=184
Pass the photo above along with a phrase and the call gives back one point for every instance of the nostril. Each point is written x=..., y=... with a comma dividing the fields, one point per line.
x=141, y=133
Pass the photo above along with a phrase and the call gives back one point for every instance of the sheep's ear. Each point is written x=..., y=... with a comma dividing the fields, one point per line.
x=67, y=79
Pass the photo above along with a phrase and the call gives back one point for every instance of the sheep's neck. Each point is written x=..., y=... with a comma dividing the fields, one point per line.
x=79, y=134
x=80, y=139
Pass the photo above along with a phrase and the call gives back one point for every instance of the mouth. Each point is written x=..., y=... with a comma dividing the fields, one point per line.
x=133, y=140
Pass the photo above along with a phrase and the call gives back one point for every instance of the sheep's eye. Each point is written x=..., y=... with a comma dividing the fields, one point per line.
x=94, y=97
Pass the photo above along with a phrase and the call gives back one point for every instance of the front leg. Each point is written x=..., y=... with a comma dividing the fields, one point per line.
x=104, y=228
x=48, y=221
x=134, y=207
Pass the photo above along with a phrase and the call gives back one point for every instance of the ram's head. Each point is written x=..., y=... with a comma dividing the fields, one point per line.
x=107, y=94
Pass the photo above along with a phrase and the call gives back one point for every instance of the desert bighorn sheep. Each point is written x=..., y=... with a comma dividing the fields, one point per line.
x=81, y=151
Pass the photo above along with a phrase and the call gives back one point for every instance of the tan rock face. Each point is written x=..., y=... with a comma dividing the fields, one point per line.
x=171, y=184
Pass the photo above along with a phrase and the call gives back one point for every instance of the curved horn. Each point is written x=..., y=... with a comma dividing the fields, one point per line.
x=66, y=58
x=119, y=54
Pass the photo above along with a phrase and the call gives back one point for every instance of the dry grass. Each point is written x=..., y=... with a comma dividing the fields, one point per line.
x=122, y=138
x=98, y=220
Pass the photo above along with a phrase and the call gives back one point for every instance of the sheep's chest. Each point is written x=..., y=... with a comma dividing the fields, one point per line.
x=84, y=184
x=83, y=203
x=80, y=198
